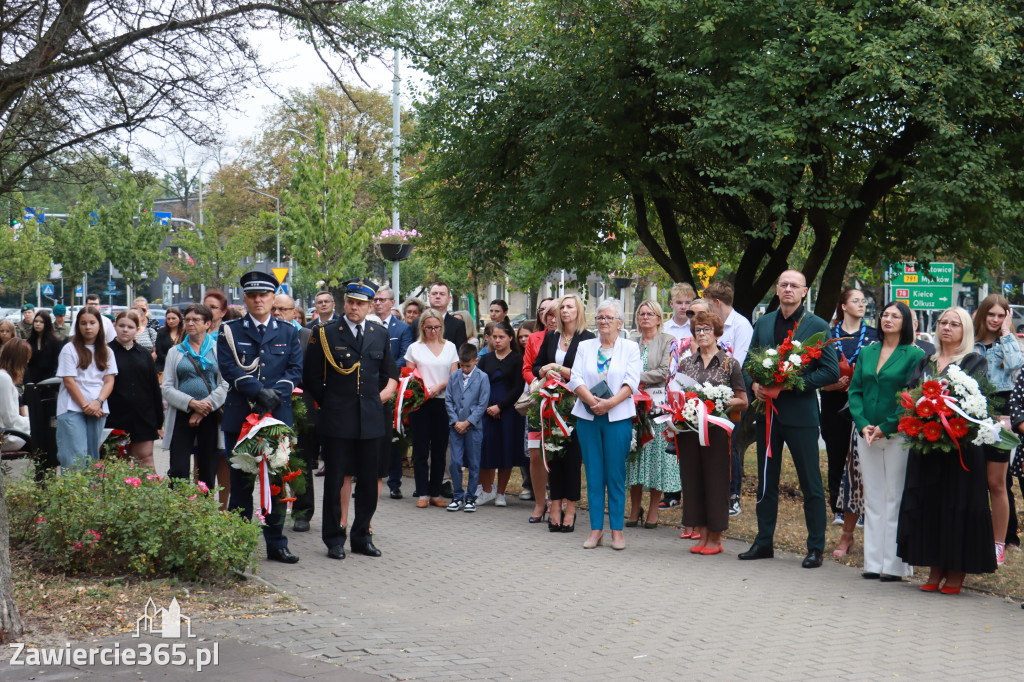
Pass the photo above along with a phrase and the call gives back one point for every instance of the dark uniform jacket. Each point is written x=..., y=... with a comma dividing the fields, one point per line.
x=346, y=381
x=252, y=363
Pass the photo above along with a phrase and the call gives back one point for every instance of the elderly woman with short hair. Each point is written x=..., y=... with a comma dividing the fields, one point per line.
x=555, y=359
x=654, y=467
x=604, y=377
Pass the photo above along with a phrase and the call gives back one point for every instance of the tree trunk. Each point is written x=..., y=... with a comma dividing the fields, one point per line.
x=11, y=628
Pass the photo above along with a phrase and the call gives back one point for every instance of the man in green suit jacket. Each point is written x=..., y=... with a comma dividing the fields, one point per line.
x=795, y=424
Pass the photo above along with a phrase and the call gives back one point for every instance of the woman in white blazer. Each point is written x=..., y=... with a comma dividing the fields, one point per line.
x=605, y=430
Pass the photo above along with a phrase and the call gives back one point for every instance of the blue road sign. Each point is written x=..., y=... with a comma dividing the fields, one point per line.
x=78, y=290
x=111, y=284
x=111, y=292
x=284, y=289
x=48, y=290
x=162, y=217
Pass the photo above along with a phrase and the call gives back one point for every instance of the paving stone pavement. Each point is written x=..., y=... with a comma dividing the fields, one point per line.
x=459, y=596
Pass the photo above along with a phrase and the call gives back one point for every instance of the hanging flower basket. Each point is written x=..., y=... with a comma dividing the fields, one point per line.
x=396, y=244
x=395, y=252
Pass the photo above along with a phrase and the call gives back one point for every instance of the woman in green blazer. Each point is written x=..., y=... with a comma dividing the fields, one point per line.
x=879, y=376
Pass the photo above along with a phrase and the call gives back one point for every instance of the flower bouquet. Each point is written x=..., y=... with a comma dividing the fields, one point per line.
x=643, y=428
x=116, y=445
x=264, y=449
x=551, y=416
x=941, y=412
x=781, y=368
x=697, y=409
x=409, y=397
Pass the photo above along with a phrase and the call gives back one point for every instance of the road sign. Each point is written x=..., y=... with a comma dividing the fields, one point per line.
x=78, y=290
x=921, y=290
x=47, y=290
x=111, y=284
x=284, y=289
x=280, y=273
x=162, y=217
x=111, y=292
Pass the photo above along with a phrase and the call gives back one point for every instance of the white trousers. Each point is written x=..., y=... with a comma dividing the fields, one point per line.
x=883, y=466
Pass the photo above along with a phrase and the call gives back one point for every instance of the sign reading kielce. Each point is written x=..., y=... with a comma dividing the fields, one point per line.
x=921, y=289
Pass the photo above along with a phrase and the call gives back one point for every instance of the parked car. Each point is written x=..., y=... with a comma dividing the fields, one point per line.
x=1018, y=318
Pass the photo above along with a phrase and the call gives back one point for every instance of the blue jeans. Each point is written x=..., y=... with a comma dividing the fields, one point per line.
x=465, y=449
x=605, y=446
x=79, y=437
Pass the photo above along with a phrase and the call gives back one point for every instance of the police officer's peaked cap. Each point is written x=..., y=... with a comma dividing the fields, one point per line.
x=258, y=282
x=360, y=289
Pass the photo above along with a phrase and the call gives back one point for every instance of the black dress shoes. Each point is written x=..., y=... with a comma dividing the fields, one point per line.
x=322, y=471
x=813, y=559
x=282, y=555
x=870, y=575
x=366, y=549
x=756, y=551
x=336, y=552
x=301, y=526
x=396, y=493
x=885, y=578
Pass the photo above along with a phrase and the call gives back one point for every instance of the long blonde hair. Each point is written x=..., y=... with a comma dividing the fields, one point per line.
x=966, y=344
x=581, y=314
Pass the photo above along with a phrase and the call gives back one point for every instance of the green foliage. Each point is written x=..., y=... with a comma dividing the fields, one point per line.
x=76, y=241
x=326, y=232
x=754, y=133
x=114, y=517
x=216, y=251
x=130, y=236
x=24, y=252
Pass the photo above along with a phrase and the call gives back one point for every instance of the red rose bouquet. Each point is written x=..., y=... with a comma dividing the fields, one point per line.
x=264, y=448
x=551, y=416
x=781, y=368
x=409, y=397
x=940, y=413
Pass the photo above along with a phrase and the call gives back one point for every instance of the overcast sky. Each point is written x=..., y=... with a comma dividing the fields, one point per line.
x=296, y=65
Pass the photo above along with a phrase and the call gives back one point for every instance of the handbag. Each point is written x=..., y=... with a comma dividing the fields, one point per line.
x=526, y=401
x=219, y=412
x=600, y=391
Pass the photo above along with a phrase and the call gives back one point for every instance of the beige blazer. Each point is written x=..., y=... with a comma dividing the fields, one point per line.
x=659, y=357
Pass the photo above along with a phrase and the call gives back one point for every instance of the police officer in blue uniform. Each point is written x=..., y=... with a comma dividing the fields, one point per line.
x=261, y=359
x=346, y=361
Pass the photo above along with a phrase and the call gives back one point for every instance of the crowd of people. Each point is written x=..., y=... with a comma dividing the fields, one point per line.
x=195, y=379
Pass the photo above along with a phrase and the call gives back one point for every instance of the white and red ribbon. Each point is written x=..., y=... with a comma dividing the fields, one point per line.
x=403, y=383
x=548, y=399
x=704, y=422
x=251, y=429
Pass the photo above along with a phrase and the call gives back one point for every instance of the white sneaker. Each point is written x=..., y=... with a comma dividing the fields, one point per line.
x=838, y=520
x=500, y=501
x=527, y=494
x=484, y=497
x=479, y=491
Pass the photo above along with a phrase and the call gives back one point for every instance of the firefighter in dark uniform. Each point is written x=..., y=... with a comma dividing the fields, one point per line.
x=261, y=360
x=344, y=363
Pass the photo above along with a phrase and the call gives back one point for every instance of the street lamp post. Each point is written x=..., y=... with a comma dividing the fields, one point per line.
x=278, y=203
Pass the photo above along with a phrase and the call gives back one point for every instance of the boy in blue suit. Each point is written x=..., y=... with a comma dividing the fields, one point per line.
x=466, y=400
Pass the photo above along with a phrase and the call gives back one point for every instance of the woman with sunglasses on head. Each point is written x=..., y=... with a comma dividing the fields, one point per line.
x=944, y=519
x=995, y=341
x=881, y=375
x=654, y=468
x=555, y=360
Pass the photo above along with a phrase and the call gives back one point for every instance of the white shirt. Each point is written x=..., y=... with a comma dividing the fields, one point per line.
x=435, y=369
x=352, y=326
x=10, y=414
x=89, y=380
x=624, y=369
x=737, y=333
x=680, y=331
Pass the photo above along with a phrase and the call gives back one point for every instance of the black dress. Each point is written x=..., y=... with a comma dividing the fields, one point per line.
x=945, y=519
x=164, y=342
x=503, y=437
x=136, y=405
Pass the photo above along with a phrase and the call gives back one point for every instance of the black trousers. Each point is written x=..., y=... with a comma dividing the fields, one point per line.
x=835, y=431
x=564, y=476
x=203, y=436
x=356, y=457
x=429, y=444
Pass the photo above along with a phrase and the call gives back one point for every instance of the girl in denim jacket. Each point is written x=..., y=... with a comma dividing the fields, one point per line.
x=994, y=339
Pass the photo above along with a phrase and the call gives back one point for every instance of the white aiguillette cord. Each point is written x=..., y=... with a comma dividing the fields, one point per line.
x=231, y=344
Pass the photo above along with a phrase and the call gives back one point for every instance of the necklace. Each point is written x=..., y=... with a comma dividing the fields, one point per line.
x=129, y=346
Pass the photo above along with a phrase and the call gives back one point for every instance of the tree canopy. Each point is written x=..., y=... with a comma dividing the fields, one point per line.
x=725, y=128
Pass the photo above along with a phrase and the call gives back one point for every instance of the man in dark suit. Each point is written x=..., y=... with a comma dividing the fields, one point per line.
x=796, y=423
x=344, y=362
x=401, y=338
x=454, y=328
x=261, y=360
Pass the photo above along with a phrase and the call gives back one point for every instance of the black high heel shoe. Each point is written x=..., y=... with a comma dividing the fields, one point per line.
x=539, y=519
x=568, y=529
x=554, y=527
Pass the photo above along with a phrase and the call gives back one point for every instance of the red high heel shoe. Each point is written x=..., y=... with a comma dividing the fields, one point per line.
x=946, y=589
x=706, y=551
x=930, y=587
